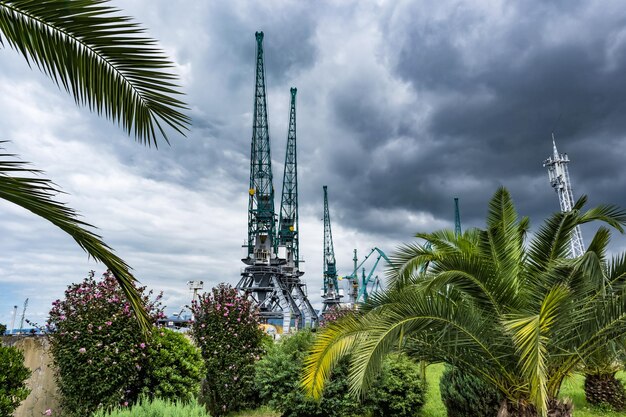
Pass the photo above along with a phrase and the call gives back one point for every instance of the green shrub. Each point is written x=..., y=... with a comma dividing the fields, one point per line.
x=3, y=329
x=278, y=379
x=226, y=329
x=13, y=376
x=174, y=367
x=98, y=348
x=157, y=408
x=399, y=390
x=465, y=395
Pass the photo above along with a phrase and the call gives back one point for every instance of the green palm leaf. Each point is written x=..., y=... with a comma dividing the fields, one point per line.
x=38, y=196
x=101, y=58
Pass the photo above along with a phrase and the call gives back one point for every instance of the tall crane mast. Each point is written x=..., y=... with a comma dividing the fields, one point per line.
x=261, y=216
x=330, y=295
x=559, y=180
x=288, y=228
x=457, y=218
x=23, y=315
x=288, y=222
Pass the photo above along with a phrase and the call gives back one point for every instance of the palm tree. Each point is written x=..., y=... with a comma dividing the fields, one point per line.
x=103, y=60
x=521, y=317
x=601, y=385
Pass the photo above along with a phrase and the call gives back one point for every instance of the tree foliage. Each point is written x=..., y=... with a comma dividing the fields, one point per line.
x=399, y=390
x=278, y=377
x=13, y=376
x=174, y=367
x=519, y=315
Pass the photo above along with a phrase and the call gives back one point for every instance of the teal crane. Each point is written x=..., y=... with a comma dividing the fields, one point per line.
x=457, y=218
x=261, y=215
x=288, y=228
x=288, y=221
x=359, y=291
x=330, y=294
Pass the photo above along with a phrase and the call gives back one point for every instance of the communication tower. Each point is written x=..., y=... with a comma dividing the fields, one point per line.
x=559, y=180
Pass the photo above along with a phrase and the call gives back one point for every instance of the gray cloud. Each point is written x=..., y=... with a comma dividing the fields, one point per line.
x=401, y=107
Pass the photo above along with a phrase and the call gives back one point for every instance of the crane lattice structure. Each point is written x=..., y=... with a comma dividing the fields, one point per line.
x=559, y=180
x=23, y=316
x=457, y=218
x=264, y=280
x=288, y=227
x=331, y=296
x=368, y=284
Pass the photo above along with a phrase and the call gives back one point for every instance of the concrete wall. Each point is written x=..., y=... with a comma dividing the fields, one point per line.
x=43, y=393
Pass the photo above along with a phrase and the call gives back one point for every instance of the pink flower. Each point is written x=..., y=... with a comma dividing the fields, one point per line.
x=142, y=345
x=48, y=412
x=82, y=350
x=108, y=323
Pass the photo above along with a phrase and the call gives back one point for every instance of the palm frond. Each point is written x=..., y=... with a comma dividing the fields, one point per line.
x=530, y=334
x=607, y=213
x=37, y=195
x=331, y=344
x=101, y=58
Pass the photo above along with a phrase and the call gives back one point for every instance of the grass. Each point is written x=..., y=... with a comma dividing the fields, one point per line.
x=434, y=406
x=572, y=388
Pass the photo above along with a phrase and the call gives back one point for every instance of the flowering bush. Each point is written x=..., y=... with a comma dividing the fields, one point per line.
x=335, y=313
x=98, y=347
x=13, y=376
x=226, y=329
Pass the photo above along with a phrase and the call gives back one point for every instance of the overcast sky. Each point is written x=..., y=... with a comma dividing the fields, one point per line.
x=402, y=105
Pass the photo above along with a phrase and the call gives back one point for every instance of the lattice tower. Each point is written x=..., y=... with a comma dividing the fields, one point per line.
x=560, y=181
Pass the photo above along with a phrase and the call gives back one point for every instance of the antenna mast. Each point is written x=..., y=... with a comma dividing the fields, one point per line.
x=559, y=180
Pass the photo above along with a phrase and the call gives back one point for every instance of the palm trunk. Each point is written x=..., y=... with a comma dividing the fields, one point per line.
x=556, y=408
x=605, y=389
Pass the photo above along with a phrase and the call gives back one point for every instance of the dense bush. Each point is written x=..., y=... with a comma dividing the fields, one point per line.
x=13, y=376
x=97, y=345
x=3, y=329
x=174, y=367
x=399, y=390
x=157, y=408
x=278, y=378
x=226, y=329
x=465, y=395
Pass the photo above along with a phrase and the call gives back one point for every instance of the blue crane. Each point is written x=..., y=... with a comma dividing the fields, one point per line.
x=359, y=291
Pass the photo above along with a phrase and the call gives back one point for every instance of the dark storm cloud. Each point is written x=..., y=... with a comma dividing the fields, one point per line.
x=494, y=100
